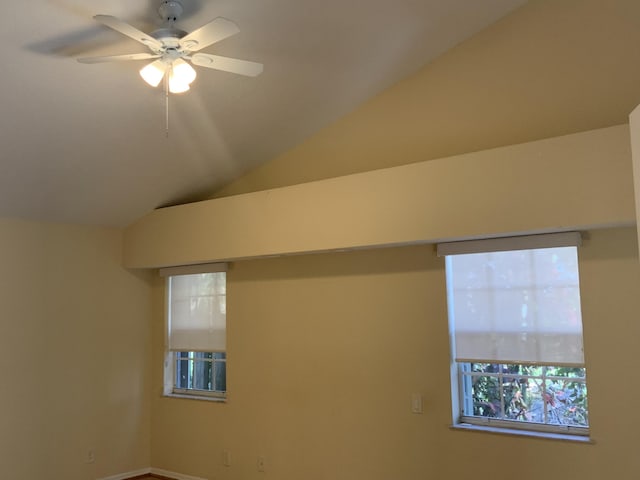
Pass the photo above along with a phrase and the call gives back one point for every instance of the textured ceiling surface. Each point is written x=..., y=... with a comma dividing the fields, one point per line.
x=87, y=144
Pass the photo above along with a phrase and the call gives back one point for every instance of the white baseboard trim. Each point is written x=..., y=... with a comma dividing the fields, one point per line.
x=124, y=476
x=177, y=476
x=156, y=471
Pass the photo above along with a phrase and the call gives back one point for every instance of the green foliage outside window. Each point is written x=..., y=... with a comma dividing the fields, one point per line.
x=528, y=393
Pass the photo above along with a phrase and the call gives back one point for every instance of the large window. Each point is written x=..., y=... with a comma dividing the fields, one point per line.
x=516, y=333
x=195, y=360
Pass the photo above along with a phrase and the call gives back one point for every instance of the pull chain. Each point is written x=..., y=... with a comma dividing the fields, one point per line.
x=166, y=101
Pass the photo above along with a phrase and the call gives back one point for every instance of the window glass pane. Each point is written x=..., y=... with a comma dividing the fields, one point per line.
x=567, y=402
x=220, y=372
x=182, y=369
x=575, y=372
x=527, y=393
x=526, y=403
x=518, y=369
x=486, y=398
x=201, y=374
x=485, y=367
x=204, y=371
x=517, y=398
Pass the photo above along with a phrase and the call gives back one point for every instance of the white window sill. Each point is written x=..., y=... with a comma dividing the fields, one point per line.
x=523, y=433
x=206, y=398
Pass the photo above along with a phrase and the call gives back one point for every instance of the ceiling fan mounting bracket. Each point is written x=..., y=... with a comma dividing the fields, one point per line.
x=170, y=10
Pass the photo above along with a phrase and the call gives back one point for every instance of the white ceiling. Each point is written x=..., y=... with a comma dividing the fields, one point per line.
x=86, y=143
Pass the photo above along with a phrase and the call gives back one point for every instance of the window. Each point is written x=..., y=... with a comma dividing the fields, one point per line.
x=200, y=371
x=195, y=353
x=516, y=333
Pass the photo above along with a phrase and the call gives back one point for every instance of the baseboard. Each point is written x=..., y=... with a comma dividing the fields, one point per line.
x=127, y=475
x=174, y=475
x=151, y=471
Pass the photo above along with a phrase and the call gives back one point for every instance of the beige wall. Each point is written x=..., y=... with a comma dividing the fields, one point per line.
x=634, y=133
x=325, y=351
x=549, y=68
x=75, y=349
x=580, y=181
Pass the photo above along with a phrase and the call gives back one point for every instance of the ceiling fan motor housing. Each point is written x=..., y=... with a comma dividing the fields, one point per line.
x=170, y=10
x=169, y=36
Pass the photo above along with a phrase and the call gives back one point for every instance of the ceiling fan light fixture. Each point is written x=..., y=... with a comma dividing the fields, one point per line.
x=181, y=76
x=154, y=72
x=183, y=72
x=170, y=47
x=177, y=87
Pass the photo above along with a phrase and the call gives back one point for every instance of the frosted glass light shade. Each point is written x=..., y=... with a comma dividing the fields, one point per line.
x=153, y=72
x=181, y=76
x=176, y=86
x=183, y=71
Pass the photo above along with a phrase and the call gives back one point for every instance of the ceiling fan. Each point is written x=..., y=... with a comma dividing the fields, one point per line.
x=170, y=47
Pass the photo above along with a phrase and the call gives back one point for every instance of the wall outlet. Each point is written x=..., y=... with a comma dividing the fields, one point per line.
x=416, y=403
x=90, y=457
x=226, y=458
x=261, y=463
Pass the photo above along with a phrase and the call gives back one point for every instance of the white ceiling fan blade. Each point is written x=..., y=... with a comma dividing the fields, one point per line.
x=226, y=64
x=128, y=30
x=214, y=31
x=118, y=58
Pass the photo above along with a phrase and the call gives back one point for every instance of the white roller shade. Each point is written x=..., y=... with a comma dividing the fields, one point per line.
x=518, y=306
x=197, y=312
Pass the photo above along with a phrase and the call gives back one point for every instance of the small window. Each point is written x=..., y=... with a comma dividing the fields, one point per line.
x=196, y=358
x=200, y=372
x=516, y=334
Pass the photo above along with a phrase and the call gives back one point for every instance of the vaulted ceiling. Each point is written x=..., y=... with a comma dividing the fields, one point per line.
x=87, y=143
x=547, y=69
x=347, y=86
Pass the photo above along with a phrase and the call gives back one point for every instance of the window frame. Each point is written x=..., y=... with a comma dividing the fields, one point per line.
x=170, y=387
x=197, y=391
x=500, y=425
x=508, y=423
